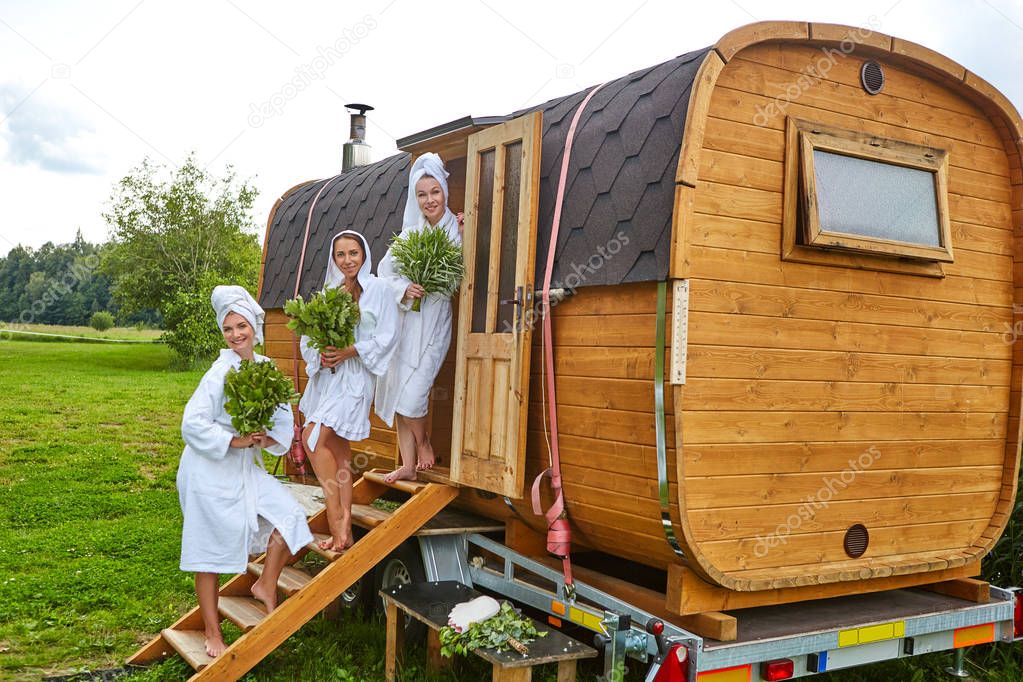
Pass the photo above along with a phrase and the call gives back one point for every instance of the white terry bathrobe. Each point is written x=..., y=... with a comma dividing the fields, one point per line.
x=425, y=335
x=230, y=503
x=342, y=400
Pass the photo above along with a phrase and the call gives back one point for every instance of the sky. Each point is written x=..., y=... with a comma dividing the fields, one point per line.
x=88, y=90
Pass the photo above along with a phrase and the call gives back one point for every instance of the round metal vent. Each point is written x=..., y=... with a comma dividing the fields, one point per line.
x=856, y=540
x=872, y=77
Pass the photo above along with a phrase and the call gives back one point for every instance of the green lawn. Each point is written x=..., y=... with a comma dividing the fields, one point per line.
x=90, y=530
x=12, y=330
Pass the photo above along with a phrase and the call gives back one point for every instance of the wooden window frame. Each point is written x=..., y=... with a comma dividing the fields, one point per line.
x=802, y=219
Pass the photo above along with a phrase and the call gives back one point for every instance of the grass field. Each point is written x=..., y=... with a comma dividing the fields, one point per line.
x=11, y=331
x=90, y=532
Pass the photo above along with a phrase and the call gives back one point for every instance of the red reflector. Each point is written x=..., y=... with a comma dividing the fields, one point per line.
x=675, y=667
x=781, y=669
x=1017, y=614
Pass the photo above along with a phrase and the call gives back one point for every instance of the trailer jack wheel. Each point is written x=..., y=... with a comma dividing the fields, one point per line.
x=401, y=567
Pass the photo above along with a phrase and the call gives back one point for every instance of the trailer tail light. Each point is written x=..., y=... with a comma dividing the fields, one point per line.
x=781, y=669
x=1017, y=614
x=675, y=667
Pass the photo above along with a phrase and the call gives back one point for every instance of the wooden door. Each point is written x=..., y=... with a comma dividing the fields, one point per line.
x=496, y=314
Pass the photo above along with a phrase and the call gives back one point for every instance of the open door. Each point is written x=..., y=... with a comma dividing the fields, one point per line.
x=495, y=320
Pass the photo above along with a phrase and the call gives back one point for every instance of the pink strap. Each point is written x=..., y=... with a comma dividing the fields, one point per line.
x=298, y=453
x=559, y=533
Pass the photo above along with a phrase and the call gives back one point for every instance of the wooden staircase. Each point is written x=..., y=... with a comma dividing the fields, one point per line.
x=306, y=595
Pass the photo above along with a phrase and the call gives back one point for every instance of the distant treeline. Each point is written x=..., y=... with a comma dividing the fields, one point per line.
x=59, y=284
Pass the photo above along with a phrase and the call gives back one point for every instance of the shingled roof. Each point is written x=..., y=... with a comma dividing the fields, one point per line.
x=621, y=181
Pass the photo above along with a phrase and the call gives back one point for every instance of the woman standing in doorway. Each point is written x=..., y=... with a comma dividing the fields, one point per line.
x=403, y=395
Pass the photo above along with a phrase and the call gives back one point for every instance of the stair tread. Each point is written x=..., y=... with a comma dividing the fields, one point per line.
x=291, y=581
x=327, y=554
x=411, y=487
x=245, y=612
x=190, y=645
x=367, y=516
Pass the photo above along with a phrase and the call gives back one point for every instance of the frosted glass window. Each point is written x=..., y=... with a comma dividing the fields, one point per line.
x=875, y=199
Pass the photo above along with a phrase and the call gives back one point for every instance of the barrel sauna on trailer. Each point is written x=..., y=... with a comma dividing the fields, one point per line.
x=784, y=282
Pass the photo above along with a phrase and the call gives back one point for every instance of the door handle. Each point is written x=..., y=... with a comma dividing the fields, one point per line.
x=517, y=302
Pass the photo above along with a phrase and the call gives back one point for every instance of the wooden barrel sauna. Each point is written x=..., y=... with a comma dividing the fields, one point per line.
x=836, y=216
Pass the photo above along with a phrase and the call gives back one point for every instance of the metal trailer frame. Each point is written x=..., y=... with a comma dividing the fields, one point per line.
x=623, y=631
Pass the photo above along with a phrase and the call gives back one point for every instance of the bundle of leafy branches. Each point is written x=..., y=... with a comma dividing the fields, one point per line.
x=430, y=259
x=501, y=633
x=253, y=392
x=328, y=318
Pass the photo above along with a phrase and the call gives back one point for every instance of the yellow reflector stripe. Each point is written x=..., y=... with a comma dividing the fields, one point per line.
x=871, y=633
x=976, y=634
x=575, y=615
x=740, y=673
x=593, y=622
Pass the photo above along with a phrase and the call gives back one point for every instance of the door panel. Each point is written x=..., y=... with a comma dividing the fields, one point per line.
x=488, y=443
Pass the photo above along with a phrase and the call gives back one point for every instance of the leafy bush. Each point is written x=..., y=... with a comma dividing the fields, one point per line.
x=101, y=321
x=328, y=318
x=254, y=391
x=430, y=259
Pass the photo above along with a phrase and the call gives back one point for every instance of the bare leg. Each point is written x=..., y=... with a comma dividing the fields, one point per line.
x=341, y=450
x=326, y=469
x=265, y=587
x=407, y=449
x=207, y=588
x=424, y=449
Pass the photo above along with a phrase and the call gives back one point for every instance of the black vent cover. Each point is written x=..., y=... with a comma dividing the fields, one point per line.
x=856, y=540
x=872, y=77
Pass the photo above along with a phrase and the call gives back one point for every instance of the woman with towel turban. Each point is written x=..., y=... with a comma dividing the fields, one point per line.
x=404, y=393
x=336, y=405
x=232, y=507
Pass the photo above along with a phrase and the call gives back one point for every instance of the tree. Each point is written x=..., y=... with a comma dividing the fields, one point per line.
x=173, y=240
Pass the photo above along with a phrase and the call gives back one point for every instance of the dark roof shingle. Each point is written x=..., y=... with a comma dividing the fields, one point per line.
x=621, y=180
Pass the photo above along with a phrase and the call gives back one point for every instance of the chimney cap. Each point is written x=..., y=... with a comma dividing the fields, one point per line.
x=363, y=108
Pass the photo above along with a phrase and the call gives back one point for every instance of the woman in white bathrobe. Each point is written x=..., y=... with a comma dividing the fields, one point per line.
x=336, y=405
x=232, y=507
x=403, y=396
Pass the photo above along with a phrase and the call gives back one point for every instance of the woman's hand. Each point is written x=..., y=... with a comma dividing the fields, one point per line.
x=332, y=357
x=414, y=291
x=263, y=440
x=247, y=441
x=460, y=217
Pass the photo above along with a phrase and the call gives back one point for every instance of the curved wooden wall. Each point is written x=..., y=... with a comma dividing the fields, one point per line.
x=794, y=370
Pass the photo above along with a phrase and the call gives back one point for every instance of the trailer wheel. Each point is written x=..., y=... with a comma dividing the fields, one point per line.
x=402, y=566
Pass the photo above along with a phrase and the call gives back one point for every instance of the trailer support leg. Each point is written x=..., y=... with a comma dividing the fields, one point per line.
x=959, y=668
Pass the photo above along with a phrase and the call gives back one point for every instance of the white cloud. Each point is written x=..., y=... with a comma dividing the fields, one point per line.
x=43, y=132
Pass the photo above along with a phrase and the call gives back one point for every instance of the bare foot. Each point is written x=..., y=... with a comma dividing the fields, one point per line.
x=215, y=644
x=402, y=473
x=266, y=594
x=426, y=458
x=335, y=544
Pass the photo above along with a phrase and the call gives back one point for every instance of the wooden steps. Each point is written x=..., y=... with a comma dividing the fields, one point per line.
x=327, y=554
x=291, y=581
x=410, y=487
x=306, y=595
x=190, y=645
x=245, y=612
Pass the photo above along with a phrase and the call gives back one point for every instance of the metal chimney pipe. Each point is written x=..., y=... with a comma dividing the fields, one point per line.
x=355, y=151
